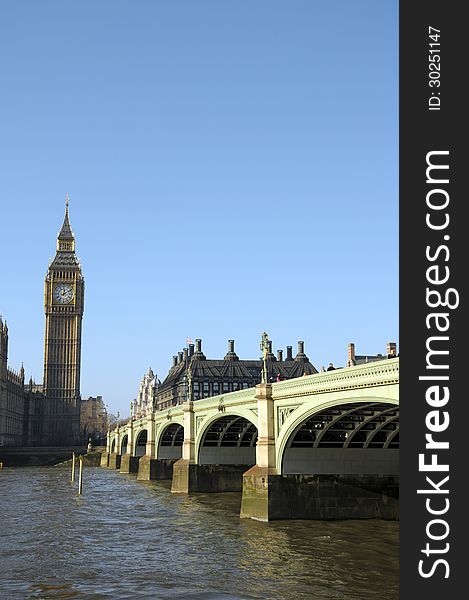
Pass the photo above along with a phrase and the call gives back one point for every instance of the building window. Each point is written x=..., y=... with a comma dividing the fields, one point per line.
x=216, y=388
x=206, y=388
x=226, y=386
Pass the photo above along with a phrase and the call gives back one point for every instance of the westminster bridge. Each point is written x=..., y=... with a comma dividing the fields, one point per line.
x=323, y=446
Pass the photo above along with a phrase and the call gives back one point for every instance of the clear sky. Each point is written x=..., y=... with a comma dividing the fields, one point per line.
x=232, y=168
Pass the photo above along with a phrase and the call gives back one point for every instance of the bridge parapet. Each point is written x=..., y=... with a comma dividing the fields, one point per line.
x=237, y=398
x=385, y=372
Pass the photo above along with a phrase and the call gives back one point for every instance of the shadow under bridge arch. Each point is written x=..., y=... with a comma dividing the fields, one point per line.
x=171, y=440
x=229, y=440
x=141, y=443
x=353, y=438
x=125, y=440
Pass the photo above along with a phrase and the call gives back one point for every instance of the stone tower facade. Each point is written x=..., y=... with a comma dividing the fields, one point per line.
x=63, y=305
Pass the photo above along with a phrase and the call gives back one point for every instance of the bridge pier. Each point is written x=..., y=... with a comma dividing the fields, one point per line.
x=189, y=477
x=105, y=455
x=151, y=434
x=114, y=461
x=129, y=463
x=183, y=468
x=130, y=439
x=322, y=497
x=258, y=492
x=153, y=469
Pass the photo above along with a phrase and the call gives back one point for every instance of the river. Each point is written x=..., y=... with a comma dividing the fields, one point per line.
x=126, y=539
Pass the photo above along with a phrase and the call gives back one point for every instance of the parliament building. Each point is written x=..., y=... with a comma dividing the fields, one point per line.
x=49, y=414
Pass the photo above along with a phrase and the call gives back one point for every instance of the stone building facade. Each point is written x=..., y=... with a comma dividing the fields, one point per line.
x=93, y=419
x=147, y=392
x=21, y=405
x=12, y=400
x=360, y=359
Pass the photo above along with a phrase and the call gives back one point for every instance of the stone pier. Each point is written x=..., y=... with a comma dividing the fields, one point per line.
x=184, y=467
x=129, y=463
x=258, y=481
x=152, y=469
x=105, y=459
x=114, y=461
x=323, y=497
x=189, y=477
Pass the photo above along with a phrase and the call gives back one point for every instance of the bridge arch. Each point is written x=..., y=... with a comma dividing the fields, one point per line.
x=113, y=445
x=124, y=442
x=170, y=440
x=160, y=428
x=342, y=436
x=228, y=438
x=140, y=447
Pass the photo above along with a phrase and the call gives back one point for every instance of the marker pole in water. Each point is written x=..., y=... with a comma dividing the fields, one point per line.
x=73, y=467
x=80, y=477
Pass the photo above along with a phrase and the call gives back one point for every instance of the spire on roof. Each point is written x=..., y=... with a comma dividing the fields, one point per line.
x=66, y=232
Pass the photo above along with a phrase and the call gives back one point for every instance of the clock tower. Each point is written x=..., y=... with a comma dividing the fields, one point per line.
x=63, y=305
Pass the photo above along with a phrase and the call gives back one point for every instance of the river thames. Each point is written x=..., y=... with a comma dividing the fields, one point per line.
x=126, y=539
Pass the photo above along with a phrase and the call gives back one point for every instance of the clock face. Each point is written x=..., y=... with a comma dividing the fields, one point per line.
x=63, y=293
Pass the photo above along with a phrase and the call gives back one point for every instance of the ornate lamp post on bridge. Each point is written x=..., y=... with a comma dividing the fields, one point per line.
x=265, y=349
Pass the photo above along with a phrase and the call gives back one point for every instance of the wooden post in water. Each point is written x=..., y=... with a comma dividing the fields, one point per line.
x=73, y=467
x=80, y=477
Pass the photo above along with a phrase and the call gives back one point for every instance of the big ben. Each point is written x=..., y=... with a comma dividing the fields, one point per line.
x=64, y=288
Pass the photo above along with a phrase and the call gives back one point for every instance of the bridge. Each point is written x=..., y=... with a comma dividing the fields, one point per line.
x=323, y=446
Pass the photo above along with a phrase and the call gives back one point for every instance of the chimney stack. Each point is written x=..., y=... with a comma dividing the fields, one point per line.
x=280, y=355
x=184, y=354
x=289, y=353
x=351, y=354
x=301, y=347
x=391, y=349
x=231, y=354
x=191, y=350
x=180, y=354
x=198, y=354
x=175, y=361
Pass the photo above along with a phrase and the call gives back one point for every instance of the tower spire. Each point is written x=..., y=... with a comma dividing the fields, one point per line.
x=66, y=232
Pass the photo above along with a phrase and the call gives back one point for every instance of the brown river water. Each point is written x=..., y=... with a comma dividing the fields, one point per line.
x=125, y=539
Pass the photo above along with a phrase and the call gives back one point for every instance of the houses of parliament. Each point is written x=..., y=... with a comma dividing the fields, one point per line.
x=49, y=413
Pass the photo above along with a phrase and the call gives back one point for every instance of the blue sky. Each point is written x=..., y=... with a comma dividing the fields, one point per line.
x=232, y=168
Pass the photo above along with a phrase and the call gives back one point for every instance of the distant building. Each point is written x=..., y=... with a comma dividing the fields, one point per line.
x=93, y=419
x=21, y=406
x=146, y=394
x=193, y=373
x=360, y=359
x=12, y=401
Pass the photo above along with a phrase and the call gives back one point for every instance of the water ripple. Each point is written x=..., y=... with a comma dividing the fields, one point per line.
x=127, y=539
